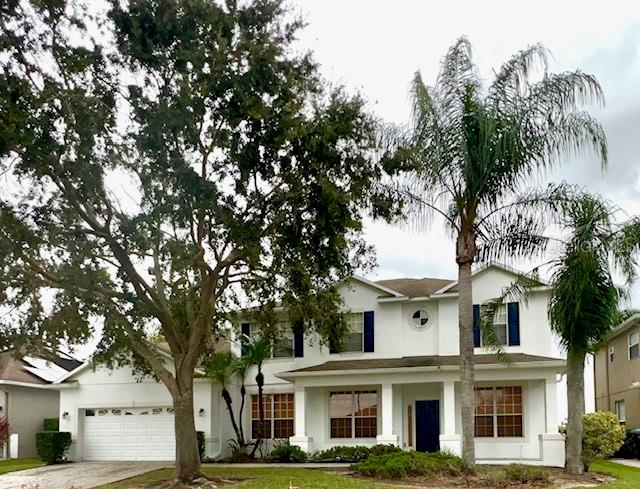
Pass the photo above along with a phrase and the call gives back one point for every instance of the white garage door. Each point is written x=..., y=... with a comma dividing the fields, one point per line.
x=129, y=434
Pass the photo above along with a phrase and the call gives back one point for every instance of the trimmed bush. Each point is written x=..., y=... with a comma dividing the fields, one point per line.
x=526, y=474
x=286, y=453
x=631, y=446
x=52, y=446
x=51, y=424
x=602, y=436
x=407, y=464
x=202, y=450
x=352, y=454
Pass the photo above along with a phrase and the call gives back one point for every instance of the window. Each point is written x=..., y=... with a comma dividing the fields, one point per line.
x=353, y=414
x=634, y=341
x=498, y=412
x=283, y=345
x=278, y=416
x=353, y=338
x=611, y=353
x=620, y=411
x=500, y=326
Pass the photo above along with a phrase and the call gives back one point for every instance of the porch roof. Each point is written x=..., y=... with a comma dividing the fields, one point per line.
x=432, y=362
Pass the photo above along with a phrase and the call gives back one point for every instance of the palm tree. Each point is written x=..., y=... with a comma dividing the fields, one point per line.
x=258, y=351
x=584, y=303
x=468, y=153
x=222, y=367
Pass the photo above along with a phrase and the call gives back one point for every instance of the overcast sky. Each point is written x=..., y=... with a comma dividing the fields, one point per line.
x=374, y=47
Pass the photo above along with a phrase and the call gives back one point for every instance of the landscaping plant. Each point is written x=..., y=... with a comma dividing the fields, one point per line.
x=52, y=446
x=602, y=436
x=469, y=156
x=410, y=463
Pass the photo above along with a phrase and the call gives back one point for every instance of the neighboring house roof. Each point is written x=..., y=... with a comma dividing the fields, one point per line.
x=421, y=361
x=415, y=287
x=624, y=326
x=34, y=369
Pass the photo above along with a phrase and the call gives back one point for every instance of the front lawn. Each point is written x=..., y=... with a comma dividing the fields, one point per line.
x=263, y=478
x=19, y=464
x=626, y=477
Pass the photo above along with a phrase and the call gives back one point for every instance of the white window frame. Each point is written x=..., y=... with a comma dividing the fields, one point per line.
x=496, y=324
x=631, y=343
x=611, y=353
x=353, y=416
x=287, y=336
x=355, y=320
x=495, y=415
x=618, y=404
x=272, y=419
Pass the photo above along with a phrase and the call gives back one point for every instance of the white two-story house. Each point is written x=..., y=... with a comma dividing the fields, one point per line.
x=397, y=378
x=396, y=381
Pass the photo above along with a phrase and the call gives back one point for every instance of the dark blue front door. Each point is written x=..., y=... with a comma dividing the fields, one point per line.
x=427, y=426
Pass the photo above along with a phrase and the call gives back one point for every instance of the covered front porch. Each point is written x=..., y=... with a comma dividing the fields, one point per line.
x=418, y=408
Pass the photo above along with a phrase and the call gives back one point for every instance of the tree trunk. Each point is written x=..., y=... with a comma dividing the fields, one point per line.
x=575, y=404
x=237, y=429
x=187, y=456
x=260, y=382
x=467, y=395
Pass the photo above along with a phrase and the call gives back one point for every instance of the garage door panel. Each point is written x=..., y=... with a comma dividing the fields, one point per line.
x=129, y=434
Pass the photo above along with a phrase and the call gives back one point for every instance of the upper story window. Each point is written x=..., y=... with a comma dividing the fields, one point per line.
x=283, y=346
x=620, y=411
x=611, y=352
x=506, y=325
x=498, y=412
x=500, y=327
x=634, y=345
x=353, y=339
x=353, y=414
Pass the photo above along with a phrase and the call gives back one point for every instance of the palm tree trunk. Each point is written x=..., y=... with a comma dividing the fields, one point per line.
x=239, y=434
x=575, y=403
x=260, y=382
x=243, y=395
x=467, y=395
x=187, y=456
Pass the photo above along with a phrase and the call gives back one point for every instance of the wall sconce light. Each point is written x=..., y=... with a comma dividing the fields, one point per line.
x=201, y=412
x=65, y=415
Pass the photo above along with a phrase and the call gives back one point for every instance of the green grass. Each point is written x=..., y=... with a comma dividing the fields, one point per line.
x=14, y=465
x=626, y=477
x=265, y=478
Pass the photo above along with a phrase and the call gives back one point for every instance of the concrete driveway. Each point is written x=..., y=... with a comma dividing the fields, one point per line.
x=79, y=475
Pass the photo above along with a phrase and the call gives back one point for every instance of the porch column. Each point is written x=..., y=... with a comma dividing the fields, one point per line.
x=449, y=439
x=551, y=442
x=300, y=437
x=387, y=437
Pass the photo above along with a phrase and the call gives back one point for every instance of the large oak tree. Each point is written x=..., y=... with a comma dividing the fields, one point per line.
x=159, y=157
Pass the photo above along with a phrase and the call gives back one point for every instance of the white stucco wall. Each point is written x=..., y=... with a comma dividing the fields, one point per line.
x=103, y=388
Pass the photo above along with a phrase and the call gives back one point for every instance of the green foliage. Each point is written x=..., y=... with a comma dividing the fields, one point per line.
x=602, y=436
x=631, y=446
x=407, y=464
x=526, y=474
x=343, y=454
x=286, y=453
x=52, y=446
x=51, y=424
x=202, y=446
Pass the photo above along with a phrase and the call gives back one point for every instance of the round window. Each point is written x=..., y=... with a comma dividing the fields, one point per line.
x=420, y=318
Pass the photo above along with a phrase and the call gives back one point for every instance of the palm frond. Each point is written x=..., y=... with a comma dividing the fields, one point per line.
x=626, y=247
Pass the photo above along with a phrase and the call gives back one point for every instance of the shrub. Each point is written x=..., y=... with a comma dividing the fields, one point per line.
x=51, y=424
x=343, y=453
x=602, y=436
x=525, y=474
x=202, y=447
x=377, y=450
x=286, y=453
x=631, y=446
x=405, y=464
x=52, y=446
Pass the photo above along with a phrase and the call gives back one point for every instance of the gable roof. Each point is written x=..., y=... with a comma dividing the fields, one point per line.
x=35, y=369
x=415, y=287
x=453, y=286
x=624, y=326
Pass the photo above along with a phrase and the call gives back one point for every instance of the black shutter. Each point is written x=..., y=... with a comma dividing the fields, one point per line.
x=298, y=342
x=369, y=332
x=476, y=325
x=513, y=319
x=246, y=332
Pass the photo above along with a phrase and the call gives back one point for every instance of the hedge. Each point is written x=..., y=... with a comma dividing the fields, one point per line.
x=52, y=446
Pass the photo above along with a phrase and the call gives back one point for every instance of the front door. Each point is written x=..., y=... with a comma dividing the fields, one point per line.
x=427, y=426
